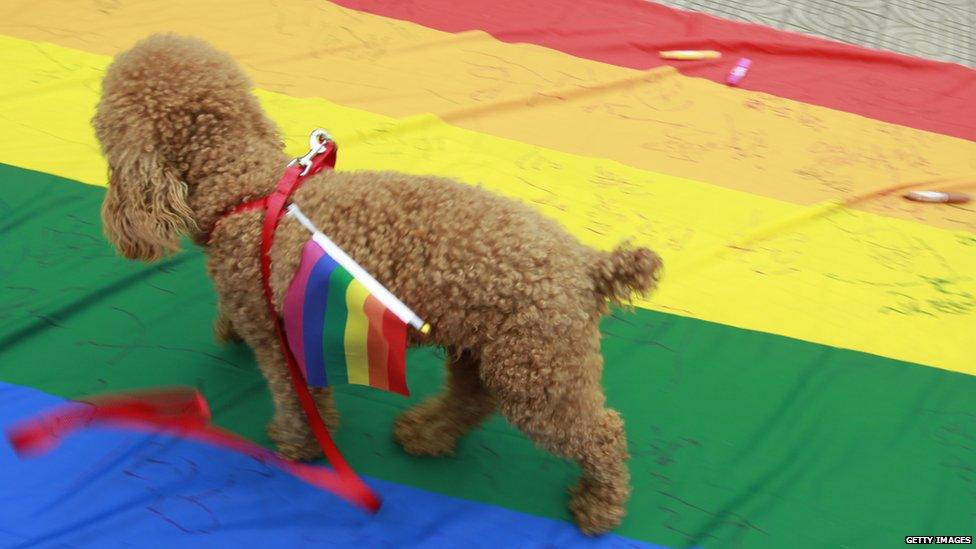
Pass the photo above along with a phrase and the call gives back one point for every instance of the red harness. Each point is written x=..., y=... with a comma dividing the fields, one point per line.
x=343, y=481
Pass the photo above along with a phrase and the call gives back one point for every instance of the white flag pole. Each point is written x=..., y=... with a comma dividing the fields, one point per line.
x=391, y=302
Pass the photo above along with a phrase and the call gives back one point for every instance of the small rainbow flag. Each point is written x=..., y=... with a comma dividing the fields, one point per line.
x=341, y=324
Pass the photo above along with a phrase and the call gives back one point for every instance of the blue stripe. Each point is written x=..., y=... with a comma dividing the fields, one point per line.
x=107, y=488
x=313, y=319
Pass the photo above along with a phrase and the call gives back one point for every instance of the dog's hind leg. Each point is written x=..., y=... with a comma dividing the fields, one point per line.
x=434, y=427
x=550, y=389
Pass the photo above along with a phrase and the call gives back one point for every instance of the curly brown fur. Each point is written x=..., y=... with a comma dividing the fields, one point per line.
x=510, y=293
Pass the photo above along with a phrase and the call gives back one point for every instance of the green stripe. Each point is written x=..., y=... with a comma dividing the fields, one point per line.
x=334, y=331
x=738, y=438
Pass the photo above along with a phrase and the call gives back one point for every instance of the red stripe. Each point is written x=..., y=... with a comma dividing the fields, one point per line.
x=376, y=344
x=885, y=86
x=395, y=332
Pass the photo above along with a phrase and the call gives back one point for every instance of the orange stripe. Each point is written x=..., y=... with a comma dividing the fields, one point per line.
x=376, y=343
x=655, y=120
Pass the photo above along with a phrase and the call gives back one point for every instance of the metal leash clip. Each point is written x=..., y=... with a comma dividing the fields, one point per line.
x=317, y=144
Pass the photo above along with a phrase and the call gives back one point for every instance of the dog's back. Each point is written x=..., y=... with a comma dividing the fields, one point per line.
x=465, y=259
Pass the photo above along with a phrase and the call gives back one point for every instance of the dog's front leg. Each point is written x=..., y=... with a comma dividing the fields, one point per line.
x=288, y=428
x=242, y=310
x=224, y=331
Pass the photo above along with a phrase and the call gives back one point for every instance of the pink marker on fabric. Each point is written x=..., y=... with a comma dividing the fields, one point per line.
x=739, y=72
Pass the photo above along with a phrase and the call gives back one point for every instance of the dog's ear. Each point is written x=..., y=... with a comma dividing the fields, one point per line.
x=145, y=210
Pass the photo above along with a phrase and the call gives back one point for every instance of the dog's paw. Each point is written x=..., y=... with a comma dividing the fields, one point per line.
x=597, y=508
x=422, y=431
x=295, y=444
x=294, y=452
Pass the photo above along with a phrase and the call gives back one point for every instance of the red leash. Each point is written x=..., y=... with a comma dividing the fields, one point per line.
x=323, y=154
x=185, y=411
x=182, y=411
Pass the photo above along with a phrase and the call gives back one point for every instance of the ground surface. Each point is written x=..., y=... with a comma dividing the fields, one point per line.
x=936, y=29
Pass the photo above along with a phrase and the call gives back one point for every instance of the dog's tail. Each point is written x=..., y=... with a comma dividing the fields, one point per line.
x=619, y=274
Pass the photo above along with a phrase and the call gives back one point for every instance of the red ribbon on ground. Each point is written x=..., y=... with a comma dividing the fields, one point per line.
x=181, y=412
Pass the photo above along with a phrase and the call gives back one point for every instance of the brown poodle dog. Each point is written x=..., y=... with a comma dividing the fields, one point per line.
x=510, y=294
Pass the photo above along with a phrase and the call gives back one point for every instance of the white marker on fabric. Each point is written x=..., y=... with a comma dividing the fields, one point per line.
x=739, y=72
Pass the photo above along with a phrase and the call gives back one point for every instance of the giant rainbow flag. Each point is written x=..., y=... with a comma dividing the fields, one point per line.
x=342, y=325
x=805, y=377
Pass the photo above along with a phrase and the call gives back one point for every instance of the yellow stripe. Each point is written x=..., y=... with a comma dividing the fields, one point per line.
x=61, y=141
x=357, y=328
x=659, y=121
x=840, y=277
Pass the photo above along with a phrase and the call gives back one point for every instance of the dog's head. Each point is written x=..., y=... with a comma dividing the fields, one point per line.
x=171, y=112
